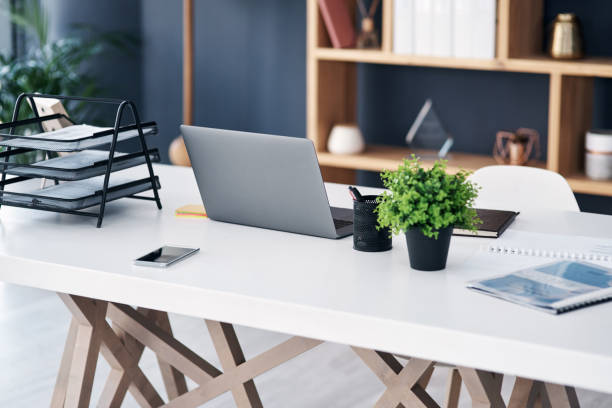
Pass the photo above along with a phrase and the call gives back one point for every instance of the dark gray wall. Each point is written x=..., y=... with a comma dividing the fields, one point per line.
x=119, y=73
x=250, y=75
x=250, y=63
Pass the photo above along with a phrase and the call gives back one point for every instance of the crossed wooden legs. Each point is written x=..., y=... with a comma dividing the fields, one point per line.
x=536, y=394
x=406, y=386
x=123, y=344
x=89, y=335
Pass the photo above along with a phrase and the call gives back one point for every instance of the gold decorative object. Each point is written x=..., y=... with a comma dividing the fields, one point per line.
x=566, y=39
x=515, y=148
x=368, y=37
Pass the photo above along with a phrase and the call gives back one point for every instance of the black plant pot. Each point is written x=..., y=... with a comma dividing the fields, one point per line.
x=428, y=254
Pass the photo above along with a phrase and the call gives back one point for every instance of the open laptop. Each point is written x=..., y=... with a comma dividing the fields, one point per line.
x=264, y=181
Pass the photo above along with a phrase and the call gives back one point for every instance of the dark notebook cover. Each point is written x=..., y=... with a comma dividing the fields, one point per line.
x=339, y=22
x=494, y=223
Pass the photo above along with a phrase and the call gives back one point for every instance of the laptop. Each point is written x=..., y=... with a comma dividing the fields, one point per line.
x=264, y=181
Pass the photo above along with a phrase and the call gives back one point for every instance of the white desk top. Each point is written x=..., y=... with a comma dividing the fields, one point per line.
x=314, y=287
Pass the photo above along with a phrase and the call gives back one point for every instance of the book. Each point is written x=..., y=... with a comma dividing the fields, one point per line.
x=474, y=28
x=423, y=32
x=442, y=24
x=403, y=26
x=494, y=223
x=483, y=29
x=339, y=22
x=554, y=287
x=462, y=28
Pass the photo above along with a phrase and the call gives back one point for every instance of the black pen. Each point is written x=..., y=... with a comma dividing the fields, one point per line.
x=355, y=194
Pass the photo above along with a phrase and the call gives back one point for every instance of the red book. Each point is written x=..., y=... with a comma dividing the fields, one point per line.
x=339, y=22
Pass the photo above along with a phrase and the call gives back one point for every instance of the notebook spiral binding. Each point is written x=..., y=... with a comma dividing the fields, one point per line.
x=584, y=304
x=546, y=253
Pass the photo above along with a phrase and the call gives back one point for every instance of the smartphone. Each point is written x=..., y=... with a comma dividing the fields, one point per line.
x=165, y=256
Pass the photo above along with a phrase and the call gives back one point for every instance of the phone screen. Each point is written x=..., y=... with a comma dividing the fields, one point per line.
x=166, y=255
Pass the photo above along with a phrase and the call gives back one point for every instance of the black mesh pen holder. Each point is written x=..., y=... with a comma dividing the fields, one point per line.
x=366, y=237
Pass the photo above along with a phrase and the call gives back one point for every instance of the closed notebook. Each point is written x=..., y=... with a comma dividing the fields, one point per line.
x=494, y=223
x=339, y=22
x=554, y=288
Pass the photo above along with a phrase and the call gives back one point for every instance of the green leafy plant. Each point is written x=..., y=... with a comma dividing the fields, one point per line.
x=54, y=67
x=429, y=199
x=61, y=67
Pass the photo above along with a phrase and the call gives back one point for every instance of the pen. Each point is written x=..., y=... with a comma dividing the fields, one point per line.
x=355, y=194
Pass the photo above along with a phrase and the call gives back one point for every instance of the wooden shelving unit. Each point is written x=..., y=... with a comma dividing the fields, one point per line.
x=332, y=83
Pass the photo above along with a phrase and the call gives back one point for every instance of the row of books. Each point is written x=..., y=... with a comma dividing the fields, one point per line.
x=445, y=28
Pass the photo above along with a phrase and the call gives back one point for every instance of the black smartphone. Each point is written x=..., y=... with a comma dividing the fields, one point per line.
x=165, y=256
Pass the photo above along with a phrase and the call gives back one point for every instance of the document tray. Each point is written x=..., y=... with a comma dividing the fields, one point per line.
x=81, y=165
x=74, y=138
x=77, y=195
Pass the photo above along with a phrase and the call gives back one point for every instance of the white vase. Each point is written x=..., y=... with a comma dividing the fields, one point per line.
x=345, y=139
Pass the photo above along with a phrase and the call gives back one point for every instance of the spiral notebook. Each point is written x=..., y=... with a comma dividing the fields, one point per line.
x=552, y=246
x=554, y=288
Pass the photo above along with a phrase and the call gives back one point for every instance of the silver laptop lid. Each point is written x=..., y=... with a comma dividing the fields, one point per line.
x=260, y=180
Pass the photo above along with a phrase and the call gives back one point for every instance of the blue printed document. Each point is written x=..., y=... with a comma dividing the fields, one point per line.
x=554, y=288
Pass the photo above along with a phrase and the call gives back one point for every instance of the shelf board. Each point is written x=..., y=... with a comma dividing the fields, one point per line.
x=384, y=57
x=379, y=158
x=591, y=66
x=580, y=183
x=597, y=67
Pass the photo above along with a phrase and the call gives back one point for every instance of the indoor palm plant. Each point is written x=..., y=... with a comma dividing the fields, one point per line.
x=58, y=67
x=61, y=66
x=426, y=204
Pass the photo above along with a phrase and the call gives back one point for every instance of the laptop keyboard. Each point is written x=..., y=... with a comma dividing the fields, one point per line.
x=341, y=223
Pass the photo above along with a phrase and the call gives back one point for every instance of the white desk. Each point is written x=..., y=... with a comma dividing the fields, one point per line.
x=312, y=287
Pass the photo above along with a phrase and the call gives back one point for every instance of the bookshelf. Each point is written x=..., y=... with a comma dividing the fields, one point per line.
x=332, y=93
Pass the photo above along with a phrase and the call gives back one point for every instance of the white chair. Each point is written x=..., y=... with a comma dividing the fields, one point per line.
x=520, y=188
x=517, y=188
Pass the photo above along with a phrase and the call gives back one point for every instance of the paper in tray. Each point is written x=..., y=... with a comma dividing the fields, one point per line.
x=76, y=195
x=81, y=165
x=73, y=138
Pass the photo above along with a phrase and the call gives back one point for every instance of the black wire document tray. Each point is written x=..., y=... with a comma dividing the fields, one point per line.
x=89, y=177
x=73, y=138
x=77, y=195
x=82, y=165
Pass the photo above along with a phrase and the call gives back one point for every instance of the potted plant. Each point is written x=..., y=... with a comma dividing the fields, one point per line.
x=426, y=204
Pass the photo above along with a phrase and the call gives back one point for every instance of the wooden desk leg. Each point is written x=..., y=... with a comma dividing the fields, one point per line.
x=231, y=356
x=87, y=341
x=61, y=384
x=484, y=387
x=561, y=396
x=174, y=381
x=403, y=386
x=212, y=382
x=531, y=393
x=119, y=382
x=90, y=335
x=453, y=389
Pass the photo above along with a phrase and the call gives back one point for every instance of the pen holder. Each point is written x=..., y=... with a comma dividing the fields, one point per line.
x=366, y=237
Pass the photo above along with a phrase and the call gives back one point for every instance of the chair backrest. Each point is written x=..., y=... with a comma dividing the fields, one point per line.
x=521, y=188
